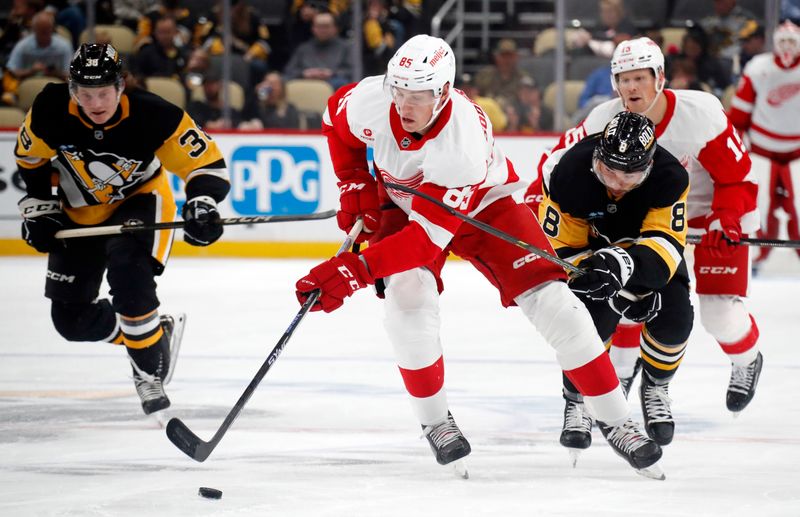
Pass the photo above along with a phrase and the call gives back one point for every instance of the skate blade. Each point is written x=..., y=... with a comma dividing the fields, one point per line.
x=159, y=418
x=574, y=454
x=735, y=414
x=460, y=469
x=175, y=344
x=654, y=471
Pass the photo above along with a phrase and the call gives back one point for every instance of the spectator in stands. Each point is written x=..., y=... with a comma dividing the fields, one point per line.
x=69, y=15
x=41, y=53
x=196, y=68
x=271, y=109
x=597, y=87
x=162, y=57
x=615, y=27
x=325, y=57
x=790, y=10
x=250, y=36
x=533, y=115
x=129, y=12
x=207, y=110
x=493, y=109
x=724, y=26
x=683, y=75
x=18, y=24
x=753, y=42
x=501, y=80
x=383, y=35
x=184, y=19
x=302, y=13
x=709, y=69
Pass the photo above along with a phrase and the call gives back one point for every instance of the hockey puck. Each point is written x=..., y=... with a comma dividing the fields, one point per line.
x=210, y=493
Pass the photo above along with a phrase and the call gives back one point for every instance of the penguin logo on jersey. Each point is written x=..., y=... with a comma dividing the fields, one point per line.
x=103, y=176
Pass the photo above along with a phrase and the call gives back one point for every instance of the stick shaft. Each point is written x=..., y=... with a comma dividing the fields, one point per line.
x=749, y=241
x=94, y=231
x=491, y=230
x=188, y=442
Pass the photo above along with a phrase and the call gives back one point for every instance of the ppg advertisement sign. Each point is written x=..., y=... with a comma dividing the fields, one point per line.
x=269, y=180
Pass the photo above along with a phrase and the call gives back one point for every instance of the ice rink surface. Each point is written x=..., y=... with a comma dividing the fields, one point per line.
x=330, y=433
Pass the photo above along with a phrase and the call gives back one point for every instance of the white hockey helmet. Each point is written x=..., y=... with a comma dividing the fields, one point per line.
x=786, y=42
x=636, y=54
x=422, y=63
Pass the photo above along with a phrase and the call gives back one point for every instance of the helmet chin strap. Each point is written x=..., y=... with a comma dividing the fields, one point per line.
x=437, y=108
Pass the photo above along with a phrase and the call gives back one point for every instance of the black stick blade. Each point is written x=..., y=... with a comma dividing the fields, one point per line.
x=188, y=442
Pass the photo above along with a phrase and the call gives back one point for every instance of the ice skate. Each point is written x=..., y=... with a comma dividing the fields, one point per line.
x=742, y=385
x=658, y=421
x=627, y=382
x=576, y=435
x=448, y=444
x=173, y=330
x=150, y=389
x=150, y=366
x=639, y=451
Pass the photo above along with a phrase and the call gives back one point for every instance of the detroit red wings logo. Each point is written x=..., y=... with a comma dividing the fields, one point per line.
x=782, y=94
x=413, y=182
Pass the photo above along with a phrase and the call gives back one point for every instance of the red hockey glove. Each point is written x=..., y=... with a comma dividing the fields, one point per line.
x=337, y=278
x=358, y=197
x=722, y=235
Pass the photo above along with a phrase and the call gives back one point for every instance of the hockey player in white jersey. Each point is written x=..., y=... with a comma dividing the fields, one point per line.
x=431, y=137
x=692, y=126
x=765, y=108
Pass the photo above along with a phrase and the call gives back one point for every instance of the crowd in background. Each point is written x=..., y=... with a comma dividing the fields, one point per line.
x=183, y=40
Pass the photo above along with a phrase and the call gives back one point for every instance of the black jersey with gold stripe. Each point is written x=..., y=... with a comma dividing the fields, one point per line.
x=579, y=215
x=96, y=167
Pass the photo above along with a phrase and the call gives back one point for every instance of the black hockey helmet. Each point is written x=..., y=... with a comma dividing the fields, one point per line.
x=628, y=143
x=94, y=65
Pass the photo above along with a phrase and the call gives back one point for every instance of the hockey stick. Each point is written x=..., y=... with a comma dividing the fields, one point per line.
x=747, y=241
x=491, y=230
x=135, y=225
x=198, y=449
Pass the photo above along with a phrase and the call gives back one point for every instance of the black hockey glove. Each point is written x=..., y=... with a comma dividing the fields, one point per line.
x=202, y=222
x=42, y=219
x=606, y=272
x=643, y=310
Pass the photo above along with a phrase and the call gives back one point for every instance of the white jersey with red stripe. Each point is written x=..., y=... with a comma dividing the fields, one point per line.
x=766, y=106
x=459, y=151
x=457, y=159
x=697, y=132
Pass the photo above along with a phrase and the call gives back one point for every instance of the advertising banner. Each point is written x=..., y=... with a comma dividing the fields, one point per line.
x=270, y=174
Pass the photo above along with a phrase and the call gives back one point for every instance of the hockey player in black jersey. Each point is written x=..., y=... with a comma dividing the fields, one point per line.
x=91, y=153
x=616, y=205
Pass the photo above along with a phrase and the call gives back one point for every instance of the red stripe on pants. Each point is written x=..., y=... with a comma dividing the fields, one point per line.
x=627, y=335
x=597, y=377
x=424, y=382
x=744, y=344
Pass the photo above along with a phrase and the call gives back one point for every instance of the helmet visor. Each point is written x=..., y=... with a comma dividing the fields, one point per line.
x=619, y=181
x=415, y=99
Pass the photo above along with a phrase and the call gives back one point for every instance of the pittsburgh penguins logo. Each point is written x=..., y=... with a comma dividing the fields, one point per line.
x=103, y=176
